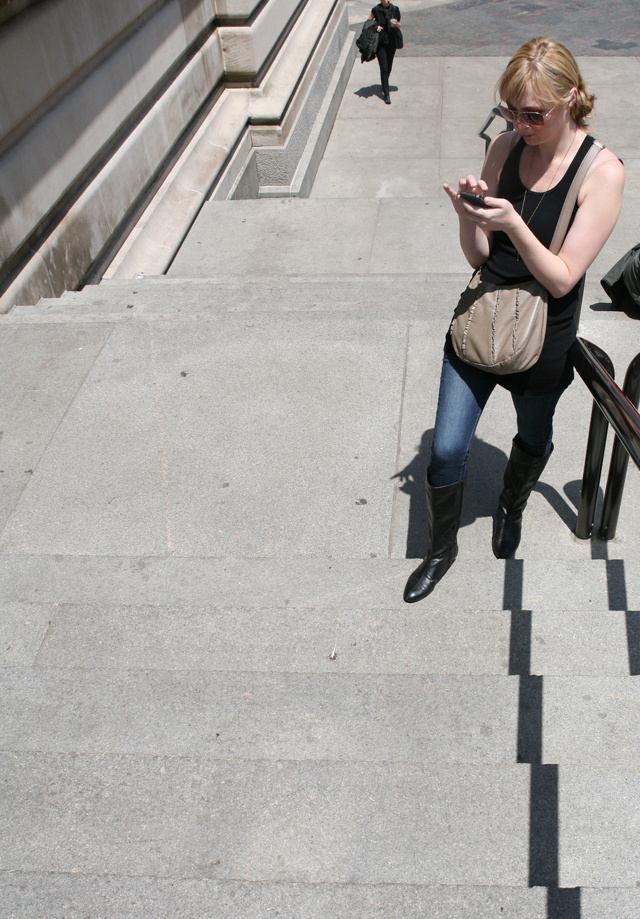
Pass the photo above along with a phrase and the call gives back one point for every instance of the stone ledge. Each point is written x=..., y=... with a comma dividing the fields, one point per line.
x=43, y=167
x=274, y=102
x=162, y=229
x=307, y=168
x=92, y=220
x=180, y=198
x=62, y=37
x=246, y=48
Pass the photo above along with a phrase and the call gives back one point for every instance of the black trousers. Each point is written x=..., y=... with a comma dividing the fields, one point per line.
x=385, y=56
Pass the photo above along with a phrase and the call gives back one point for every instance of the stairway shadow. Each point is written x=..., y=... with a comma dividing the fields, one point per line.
x=544, y=814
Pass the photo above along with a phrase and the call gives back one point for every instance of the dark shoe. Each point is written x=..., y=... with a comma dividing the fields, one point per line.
x=445, y=510
x=387, y=98
x=521, y=474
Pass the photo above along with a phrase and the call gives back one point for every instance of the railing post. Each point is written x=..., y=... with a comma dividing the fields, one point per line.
x=619, y=459
x=593, y=460
x=495, y=113
x=594, y=457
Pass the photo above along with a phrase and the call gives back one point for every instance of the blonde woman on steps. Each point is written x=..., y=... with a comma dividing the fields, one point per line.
x=525, y=179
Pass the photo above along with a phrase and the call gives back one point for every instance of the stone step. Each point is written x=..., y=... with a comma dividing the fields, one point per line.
x=143, y=438
x=319, y=822
x=103, y=897
x=245, y=716
x=397, y=642
x=318, y=583
x=406, y=295
x=338, y=236
x=176, y=298
x=322, y=236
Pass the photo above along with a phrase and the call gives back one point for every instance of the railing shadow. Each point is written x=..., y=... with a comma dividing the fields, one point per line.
x=562, y=508
x=544, y=824
x=633, y=641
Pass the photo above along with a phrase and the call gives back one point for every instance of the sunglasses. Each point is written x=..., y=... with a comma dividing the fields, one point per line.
x=534, y=119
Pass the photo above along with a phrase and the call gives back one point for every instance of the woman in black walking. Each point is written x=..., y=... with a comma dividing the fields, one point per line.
x=387, y=15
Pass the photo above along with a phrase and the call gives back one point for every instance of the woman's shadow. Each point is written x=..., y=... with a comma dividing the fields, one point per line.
x=484, y=484
x=366, y=92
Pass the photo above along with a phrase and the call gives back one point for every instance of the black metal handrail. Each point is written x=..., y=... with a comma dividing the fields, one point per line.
x=495, y=113
x=619, y=459
x=611, y=406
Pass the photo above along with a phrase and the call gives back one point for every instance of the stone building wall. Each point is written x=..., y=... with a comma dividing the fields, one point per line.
x=108, y=106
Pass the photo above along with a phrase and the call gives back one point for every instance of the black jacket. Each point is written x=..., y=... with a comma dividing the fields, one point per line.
x=622, y=282
x=368, y=41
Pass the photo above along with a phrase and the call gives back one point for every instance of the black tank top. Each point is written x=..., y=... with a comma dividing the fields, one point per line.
x=553, y=371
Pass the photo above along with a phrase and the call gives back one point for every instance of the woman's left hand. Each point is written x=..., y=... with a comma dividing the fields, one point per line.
x=500, y=215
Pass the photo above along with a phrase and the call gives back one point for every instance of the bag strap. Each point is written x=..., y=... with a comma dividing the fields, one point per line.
x=572, y=196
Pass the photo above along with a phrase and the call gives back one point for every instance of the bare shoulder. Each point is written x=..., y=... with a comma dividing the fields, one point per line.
x=503, y=143
x=608, y=167
x=604, y=183
x=605, y=177
x=499, y=149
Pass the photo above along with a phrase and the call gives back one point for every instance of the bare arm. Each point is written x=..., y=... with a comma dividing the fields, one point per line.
x=599, y=204
x=475, y=239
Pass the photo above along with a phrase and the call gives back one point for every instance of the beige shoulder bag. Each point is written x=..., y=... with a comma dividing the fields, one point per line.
x=502, y=328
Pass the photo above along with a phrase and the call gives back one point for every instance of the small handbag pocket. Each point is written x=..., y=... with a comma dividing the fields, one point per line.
x=500, y=329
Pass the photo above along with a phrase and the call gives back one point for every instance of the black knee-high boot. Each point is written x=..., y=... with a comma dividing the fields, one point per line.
x=445, y=511
x=521, y=474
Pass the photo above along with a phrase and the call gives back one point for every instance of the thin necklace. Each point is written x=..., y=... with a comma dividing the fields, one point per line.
x=545, y=191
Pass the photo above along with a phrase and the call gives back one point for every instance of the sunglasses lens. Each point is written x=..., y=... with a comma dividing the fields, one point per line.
x=533, y=118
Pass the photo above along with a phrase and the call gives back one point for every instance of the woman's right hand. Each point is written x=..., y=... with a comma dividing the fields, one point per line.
x=470, y=183
x=475, y=241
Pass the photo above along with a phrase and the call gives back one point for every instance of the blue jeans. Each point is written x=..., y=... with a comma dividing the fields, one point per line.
x=464, y=392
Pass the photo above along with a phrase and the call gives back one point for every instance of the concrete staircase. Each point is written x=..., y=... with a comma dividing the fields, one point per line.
x=215, y=702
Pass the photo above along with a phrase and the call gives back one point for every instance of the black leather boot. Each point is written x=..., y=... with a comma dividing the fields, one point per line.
x=445, y=510
x=521, y=474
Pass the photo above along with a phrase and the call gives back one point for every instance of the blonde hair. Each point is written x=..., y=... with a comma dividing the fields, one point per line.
x=552, y=71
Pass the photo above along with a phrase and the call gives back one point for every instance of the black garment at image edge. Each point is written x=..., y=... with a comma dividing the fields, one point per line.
x=622, y=282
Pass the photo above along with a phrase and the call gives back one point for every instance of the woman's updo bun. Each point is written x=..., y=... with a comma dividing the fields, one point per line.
x=552, y=69
x=583, y=106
